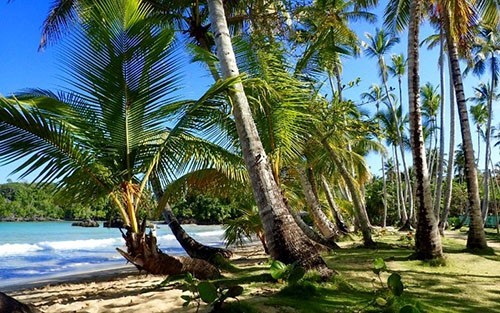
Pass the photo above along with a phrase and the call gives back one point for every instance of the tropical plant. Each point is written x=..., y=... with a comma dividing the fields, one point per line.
x=107, y=137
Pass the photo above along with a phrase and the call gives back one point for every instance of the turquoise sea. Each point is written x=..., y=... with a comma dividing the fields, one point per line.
x=34, y=251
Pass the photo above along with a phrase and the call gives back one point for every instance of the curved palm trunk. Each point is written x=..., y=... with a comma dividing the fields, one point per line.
x=193, y=248
x=143, y=252
x=341, y=226
x=359, y=206
x=476, y=238
x=320, y=242
x=439, y=183
x=449, y=171
x=326, y=228
x=427, y=239
x=285, y=240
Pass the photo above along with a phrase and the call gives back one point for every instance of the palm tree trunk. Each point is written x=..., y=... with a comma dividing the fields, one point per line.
x=319, y=241
x=487, y=155
x=427, y=239
x=449, y=171
x=143, y=252
x=399, y=192
x=341, y=225
x=440, y=169
x=194, y=248
x=408, y=190
x=325, y=227
x=476, y=238
x=285, y=240
x=358, y=204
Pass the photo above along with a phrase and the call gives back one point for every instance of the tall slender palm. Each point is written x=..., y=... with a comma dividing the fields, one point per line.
x=481, y=114
x=456, y=29
x=427, y=239
x=390, y=124
x=375, y=95
x=107, y=137
x=378, y=46
x=485, y=50
x=457, y=20
x=430, y=106
x=398, y=69
x=284, y=239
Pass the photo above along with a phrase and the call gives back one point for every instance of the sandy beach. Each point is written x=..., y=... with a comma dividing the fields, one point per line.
x=121, y=290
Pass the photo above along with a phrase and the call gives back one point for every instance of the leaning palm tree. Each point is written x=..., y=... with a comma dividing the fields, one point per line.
x=108, y=135
x=285, y=240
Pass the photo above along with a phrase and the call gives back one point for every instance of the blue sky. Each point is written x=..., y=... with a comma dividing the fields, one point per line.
x=23, y=66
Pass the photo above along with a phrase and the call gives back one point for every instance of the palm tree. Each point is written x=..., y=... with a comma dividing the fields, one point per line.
x=375, y=95
x=486, y=48
x=284, y=239
x=456, y=30
x=378, y=46
x=479, y=113
x=390, y=124
x=427, y=239
x=107, y=137
x=430, y=106
x=324, y=29
x=457, y=19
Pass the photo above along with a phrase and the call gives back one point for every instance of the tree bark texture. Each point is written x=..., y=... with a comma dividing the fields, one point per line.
x=194, y=248
x=359, y=206
x=451, y=153
x=476, y=238
x=427, y=239
x=440, y=169
x=325, y=227
x=339, y=220
x=143, y=252
x=285, y=240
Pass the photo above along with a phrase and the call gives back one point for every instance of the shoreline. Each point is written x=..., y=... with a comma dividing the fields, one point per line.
x=20, y=285
x=120, y=290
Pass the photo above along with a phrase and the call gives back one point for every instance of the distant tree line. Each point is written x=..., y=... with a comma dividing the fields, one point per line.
x=28, y=202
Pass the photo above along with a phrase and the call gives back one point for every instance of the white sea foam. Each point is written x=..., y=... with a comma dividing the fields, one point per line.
x=9, y=249
x=87, y=244
x=212, y=233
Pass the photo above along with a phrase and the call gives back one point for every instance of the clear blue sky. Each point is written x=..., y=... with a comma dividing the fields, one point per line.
x=22, y=66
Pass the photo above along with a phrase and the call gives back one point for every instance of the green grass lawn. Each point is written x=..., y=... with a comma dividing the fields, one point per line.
x=466, y=283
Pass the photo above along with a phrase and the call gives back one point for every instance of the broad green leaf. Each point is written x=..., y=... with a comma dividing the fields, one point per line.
x=395, y=284
x=379, y=265
x=278, y=269
x=208, y=292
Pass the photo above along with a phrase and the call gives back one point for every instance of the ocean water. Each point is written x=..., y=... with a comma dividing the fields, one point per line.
x=34, y=251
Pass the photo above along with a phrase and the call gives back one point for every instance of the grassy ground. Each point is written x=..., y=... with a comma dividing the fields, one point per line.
x=466, y=283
